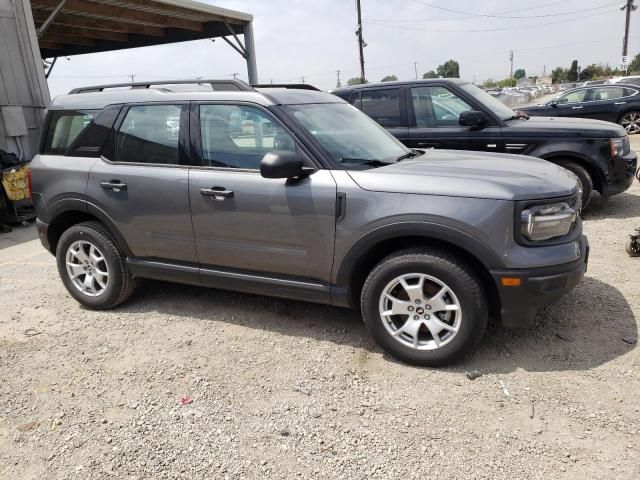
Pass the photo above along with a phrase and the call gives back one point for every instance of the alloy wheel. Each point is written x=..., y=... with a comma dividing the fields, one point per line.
x=87, y=268
x=631, y=122
x=420, y=311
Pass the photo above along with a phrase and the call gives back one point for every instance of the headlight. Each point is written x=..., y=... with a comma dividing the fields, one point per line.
x=544, y=222
x=620, y=146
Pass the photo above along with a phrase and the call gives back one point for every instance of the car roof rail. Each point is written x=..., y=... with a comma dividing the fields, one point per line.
x=299, y=86
x=216, y=85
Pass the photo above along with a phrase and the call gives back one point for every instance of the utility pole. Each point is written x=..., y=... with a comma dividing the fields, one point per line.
x=338, y=84
x=302, y=79
x=474, y=78
x=511, y=61
x=629, y=7
x=544, y=70
x=133, y=77
x=361, y=43
x=415, y=67
x=235, y=75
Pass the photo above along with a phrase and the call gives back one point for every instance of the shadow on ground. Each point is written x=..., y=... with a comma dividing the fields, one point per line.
x=587, y=328
x=625, y=205
x=18, y=234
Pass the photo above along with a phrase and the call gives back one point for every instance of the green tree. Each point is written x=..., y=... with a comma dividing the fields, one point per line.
x=507, y=82
x=389, y=78
x=489, y=83
x=634, y=66
x=572, y=73
x=591, y=72
x=430, y=74
x=356, y=81
x=449, y=69
x=519, y=73
x=558, y=75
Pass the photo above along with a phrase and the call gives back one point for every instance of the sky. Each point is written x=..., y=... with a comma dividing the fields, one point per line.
x=314, y=39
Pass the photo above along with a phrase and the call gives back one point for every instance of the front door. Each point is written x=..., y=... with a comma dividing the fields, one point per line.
x=571, y=104
x=437, y=111
x=140, y=185
x=245, y=222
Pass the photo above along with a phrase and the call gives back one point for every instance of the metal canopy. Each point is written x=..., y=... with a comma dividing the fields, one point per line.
x=72, y=27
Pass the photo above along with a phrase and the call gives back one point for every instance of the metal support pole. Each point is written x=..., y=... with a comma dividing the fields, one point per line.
x=52, y=16
x=250, y=48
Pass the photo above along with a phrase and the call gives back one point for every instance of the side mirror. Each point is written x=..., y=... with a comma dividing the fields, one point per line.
x=283, y=164
x=473, y=119
x=553, y=103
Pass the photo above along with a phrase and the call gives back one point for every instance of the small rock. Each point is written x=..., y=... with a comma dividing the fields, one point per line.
x=25, y=427
x=630, y=340
x=473, y=374
x=284, y=432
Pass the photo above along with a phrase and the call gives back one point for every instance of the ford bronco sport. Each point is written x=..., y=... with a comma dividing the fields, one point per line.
x=295, y=193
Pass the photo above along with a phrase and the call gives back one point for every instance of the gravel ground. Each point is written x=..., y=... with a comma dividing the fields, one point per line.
x=185, y=382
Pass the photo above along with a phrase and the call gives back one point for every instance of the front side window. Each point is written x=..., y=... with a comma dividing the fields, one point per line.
x=64, y=128
x=351, y=138
x=576, y=96
x=238, y=136
x=149, y=134
x=437, y=106
x=383, y=106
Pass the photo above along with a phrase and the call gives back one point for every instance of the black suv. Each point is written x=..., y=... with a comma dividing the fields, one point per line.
x=454, y=114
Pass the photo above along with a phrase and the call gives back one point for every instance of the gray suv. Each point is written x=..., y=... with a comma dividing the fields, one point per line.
x=294, y=193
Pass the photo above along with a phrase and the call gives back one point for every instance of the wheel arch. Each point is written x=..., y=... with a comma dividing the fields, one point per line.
x=582, y=160
x=367, y=252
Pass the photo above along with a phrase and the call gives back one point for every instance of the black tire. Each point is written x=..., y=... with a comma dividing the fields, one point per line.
x=447, y=269
x=630, y=121
x=632, y=246
x=120, y=284
x=585, y=179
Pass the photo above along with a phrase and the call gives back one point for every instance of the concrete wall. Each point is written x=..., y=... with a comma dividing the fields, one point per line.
x=23, y=87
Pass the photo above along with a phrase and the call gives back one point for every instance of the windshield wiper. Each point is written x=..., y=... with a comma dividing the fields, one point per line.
x=364, y=161
x=411, y=154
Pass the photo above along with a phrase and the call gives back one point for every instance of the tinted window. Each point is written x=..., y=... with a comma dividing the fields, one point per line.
x=236, y=136
x=383, y=106
x=608, y=93
x=64, y=128
x=149, y=134
x=437, y=106
x=573, y=97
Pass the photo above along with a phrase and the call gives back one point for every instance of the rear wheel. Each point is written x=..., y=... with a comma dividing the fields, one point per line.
x=92, y=267
x=586, y=182
x=424, y=308
x=630, y=121
x=632, y=246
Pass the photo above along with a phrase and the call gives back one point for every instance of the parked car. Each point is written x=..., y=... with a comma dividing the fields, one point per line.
x=597, y=152
x=619, y=103
x=326, y=207
x=630, y=80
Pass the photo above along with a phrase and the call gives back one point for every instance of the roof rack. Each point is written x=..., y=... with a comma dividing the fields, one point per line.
x=300, y=86
x=216, y=85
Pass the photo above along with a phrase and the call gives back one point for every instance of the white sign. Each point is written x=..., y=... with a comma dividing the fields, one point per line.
x=625, y=60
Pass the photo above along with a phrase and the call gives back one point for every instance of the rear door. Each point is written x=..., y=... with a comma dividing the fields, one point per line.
x=141, y=183
x=248, y=223
x=608, y=102
x=434, y=113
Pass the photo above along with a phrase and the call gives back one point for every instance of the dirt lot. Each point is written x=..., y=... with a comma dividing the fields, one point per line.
x=282, y=389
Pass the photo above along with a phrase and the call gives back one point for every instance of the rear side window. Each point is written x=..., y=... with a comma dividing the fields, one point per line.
x=64, y=128
x=383, y=106
x=149, y=134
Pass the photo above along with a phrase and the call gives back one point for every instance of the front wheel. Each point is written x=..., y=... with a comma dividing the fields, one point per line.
x=424, y=308
x=585, y=180
x=630, y=121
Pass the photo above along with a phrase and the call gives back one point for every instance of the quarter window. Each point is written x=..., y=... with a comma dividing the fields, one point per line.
x=64, y=128
x=149, y=134
x=238, y=136
x=437, y=107
x=382, y=105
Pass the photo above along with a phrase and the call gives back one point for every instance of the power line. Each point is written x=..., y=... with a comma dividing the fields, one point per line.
x=520, y=27
x=489, y=15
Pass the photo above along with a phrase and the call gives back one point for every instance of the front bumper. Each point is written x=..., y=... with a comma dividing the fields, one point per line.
x=621, y=175
x=538, y=288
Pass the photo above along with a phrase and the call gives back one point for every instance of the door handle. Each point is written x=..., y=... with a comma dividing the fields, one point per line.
x=114, y=186
x=427, y=144
x=576, y=108
x=217, y=193
x=620, y=103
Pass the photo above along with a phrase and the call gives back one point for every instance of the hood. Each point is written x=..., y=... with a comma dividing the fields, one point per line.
x=458, y=173
x=564, y=126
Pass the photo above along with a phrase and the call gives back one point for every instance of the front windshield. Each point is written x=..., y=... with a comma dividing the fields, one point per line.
x=348, y=135
x=496, y=106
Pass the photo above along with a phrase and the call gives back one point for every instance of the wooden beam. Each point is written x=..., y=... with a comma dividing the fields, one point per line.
x=88, y=33
x=50, y=45
x=67, y=39
x=164, y=9
x=119, y=13
x=70, y=20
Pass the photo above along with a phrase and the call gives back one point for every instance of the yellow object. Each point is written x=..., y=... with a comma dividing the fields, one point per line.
x=16, y=183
